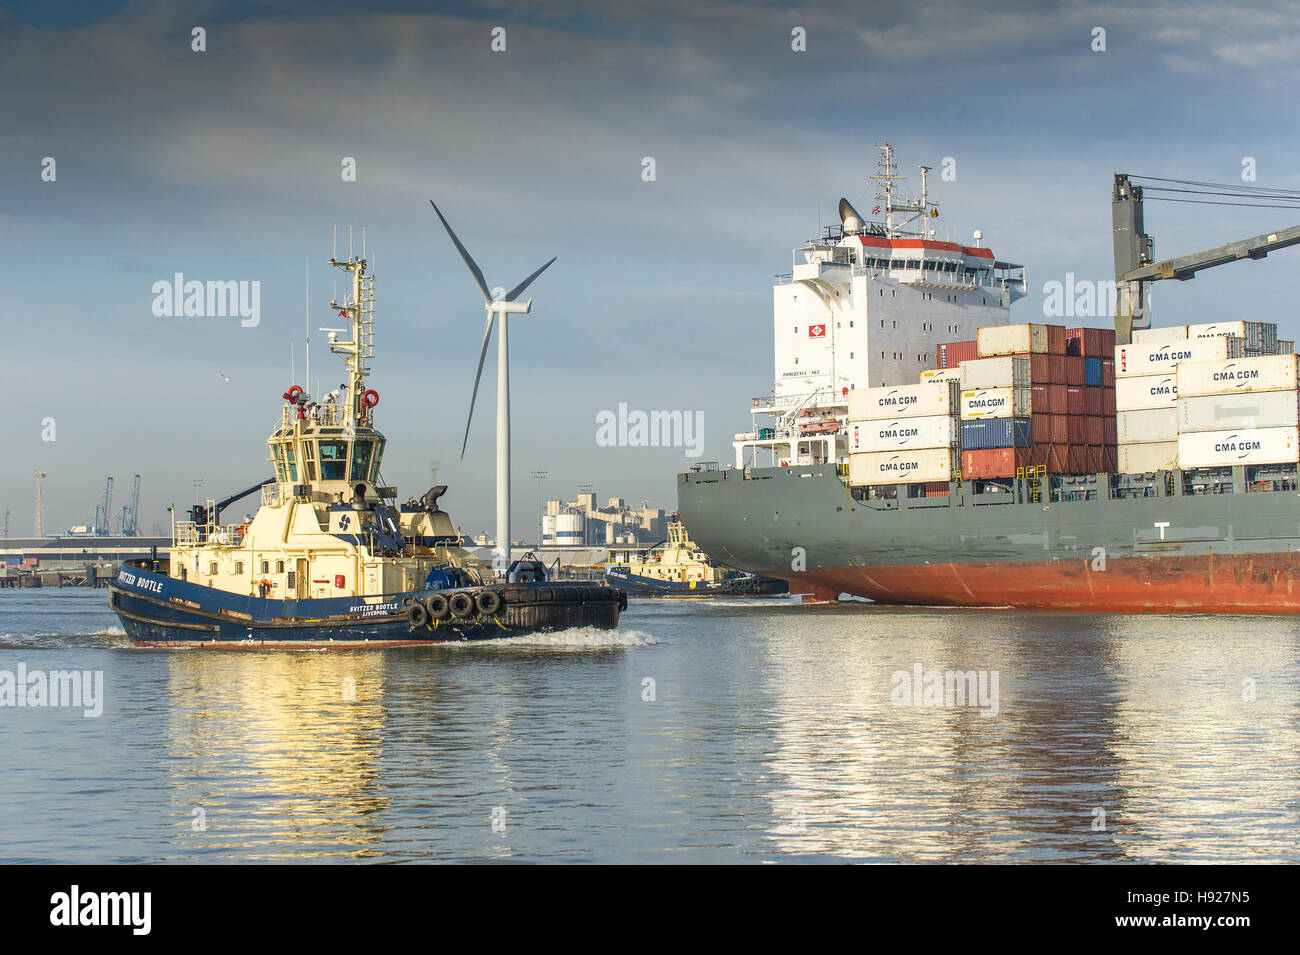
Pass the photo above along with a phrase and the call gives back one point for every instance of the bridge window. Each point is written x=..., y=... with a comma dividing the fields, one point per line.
x=290, y=465
x=333, y=460
x=361, y=451
x=309, y=459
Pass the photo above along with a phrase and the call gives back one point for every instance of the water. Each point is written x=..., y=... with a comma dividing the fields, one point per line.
x=771, y=735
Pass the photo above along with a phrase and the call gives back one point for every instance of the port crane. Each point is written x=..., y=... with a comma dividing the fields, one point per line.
x=1135, y=265
x=102, y=526
x=131, y=511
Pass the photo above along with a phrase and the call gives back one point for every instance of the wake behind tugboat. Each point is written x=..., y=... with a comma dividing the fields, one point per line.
x=331, y=559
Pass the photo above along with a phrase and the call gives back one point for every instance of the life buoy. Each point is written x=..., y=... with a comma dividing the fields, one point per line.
x=437, y=607
x=461, y=604
x=488, y=602
x=293, y=393
x=370, y=398
x=417, y=615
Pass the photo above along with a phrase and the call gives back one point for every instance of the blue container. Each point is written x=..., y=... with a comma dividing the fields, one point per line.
x=1092, y=372
x=989, y=433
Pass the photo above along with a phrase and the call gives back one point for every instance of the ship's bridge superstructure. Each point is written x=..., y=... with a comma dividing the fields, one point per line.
x=866, y=304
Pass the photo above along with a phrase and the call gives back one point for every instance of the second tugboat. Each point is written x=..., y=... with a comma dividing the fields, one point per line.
x=681, y=569
x=331, y=559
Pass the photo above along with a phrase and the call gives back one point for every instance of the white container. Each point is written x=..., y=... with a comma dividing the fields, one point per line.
x=1172, y=333
x=903, y=401
x=894, y=434
x=1154, y=456
x=995, y=403
x=1002, y=372
x=937, y=376
x=1244, y=375
x=1011, y=340
x=1144, y=427
x=1148, y=391
x=1215, y=329
x=1153, y=358
x=1255, y=409
x=901, y=467
x=1211, y=449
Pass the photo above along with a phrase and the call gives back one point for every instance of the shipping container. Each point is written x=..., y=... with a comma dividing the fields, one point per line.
x=1210, y=449
x=1092, y=400
x=1050, y=428
x=1108, y=400
x=1076, y=430
x=1096, y=459
x=1268, y=373
x=1108, y=372
x=1047, y=399
x=995, y=340
x=921, y=465
x=1259, y=337
x=886, y=434
x=1092, y=431
x=1074, y=371
x=1141, y=458
x=1090, y=342
x=1149, y=391
x=996, y=433
x=1286, y=346
x=903, y=401
x=1007, y=371
x=1005, y=462
x=1045, y=369
x=1171, y=333
x=1156, y=358
x=1147, y=426
x=952, y=354
x=1256, y=409
x=995, y=403
x=937, y=376
x=1075, y=403
x=1092, y=372
x=1110, y=459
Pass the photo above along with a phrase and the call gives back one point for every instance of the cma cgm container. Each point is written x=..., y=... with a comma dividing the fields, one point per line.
x=1155, y=358
x=1148, y=391
x=937, y=376
x=1152, y=456
x=1263, y=409
x=1007, y=371
x=1209, y=449
x=995, y=340
x=1170, y=333
x=1146, y=426
x=919, y=466
x=903, y=401
x=1267, y=373
x=936, y=431
x=996, y=433
x=995, y=403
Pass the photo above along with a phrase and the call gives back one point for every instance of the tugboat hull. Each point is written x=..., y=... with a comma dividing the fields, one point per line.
x=160, y=611
x=740, y=585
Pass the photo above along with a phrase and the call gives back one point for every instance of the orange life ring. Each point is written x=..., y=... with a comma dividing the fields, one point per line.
x=370, y=398
x=293, y=393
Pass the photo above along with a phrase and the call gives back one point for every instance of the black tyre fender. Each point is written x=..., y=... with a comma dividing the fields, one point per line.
x=461, y=604
x=488, y=602
x=417, y=615
x=437, y=607
x=622, y=601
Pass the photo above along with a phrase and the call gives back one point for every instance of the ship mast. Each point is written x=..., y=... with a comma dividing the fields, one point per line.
x=359, y=308
x=918, y=208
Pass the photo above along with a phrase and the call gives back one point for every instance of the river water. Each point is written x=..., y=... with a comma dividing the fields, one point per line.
x=726, y=731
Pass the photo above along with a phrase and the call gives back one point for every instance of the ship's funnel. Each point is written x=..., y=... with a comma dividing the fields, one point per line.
x=850, y=221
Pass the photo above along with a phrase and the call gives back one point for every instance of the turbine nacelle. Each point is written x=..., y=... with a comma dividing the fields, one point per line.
x=510, y=308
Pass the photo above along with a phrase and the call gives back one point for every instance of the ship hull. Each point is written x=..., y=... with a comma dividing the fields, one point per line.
x=159, y=611
x=1221, y=553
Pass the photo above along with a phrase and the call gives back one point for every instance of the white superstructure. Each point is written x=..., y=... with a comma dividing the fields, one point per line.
x=866, y=305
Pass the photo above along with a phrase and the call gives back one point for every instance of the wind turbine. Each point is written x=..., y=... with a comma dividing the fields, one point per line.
x=504, y=306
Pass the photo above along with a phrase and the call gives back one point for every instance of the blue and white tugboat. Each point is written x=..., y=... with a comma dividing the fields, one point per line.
x=331, y=559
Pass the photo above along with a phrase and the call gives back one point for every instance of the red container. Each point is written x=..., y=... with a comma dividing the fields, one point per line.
x=1057, y=399
x=1074, y=400
x=1090, y=342
x=936, y=489
x=1050, y=456
x=1093, y=431
x=1074, y=374
x=1108, y=372
x=1110, y=460
x=952, y=354
x=1056, y=339
x=1041, y=367
x=1108, y=402
x=1096, y=459
x=1076, y=459
x=1076, y=430
x=992, y=463
x=1055, y=429
x=1092, y=400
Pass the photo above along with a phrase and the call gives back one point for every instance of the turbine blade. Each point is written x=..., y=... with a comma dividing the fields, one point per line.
x=474, y=270
x=510, y=296
x=487, y=334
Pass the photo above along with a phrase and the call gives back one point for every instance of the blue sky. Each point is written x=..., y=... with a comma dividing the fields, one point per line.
x=225, y=165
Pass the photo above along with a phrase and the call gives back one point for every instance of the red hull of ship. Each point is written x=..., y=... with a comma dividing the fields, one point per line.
x=1252, y=583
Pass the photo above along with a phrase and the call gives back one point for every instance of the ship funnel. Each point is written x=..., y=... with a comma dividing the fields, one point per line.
x=849, y=218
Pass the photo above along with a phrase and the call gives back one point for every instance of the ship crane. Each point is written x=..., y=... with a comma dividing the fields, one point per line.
x=1135, y=267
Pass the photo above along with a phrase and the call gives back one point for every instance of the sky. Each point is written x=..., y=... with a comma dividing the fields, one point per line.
x=227, y=165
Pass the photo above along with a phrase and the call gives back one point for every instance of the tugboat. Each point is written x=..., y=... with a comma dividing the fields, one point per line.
x=681, y=569
x=331, y=559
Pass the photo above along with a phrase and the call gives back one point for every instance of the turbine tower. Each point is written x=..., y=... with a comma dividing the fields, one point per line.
x=40, y=504
x=503, y=307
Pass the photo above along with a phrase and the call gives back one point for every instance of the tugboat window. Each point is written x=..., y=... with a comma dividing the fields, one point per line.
x=309, y=459
x=279, y=567
x=333, y=460
x=290, y=464
x=361, y=460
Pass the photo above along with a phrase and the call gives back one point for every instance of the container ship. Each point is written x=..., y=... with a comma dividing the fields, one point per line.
x=977, y=462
